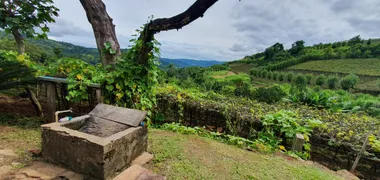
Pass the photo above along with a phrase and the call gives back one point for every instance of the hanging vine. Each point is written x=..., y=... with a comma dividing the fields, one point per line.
x=130, y=84
x=127, y=83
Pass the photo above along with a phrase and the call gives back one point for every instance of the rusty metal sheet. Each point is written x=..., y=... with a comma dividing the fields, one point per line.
x=121, y=115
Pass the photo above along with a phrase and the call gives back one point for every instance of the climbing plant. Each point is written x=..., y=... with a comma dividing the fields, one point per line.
x=129, y=84
x=125, y=84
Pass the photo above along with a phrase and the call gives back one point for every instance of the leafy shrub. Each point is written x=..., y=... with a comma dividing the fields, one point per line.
x=228, y=90
x=275, y=76
x=269, y=95
x=281, y=77
x=289, y=77
x=264, y=73
x=321, y=80
x=300, y=81
x=243, y=91
x=332, y=81
x=255, y=72
x=270, y=75
x=308, y=78
x=224, y=138
x=285, y=124
x=349, y=81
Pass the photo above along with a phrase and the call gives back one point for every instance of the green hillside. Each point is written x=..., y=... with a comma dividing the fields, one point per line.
x=276, y=57
x=368, y=67
x=241, y=67
x=354, y=56
x=45, y=50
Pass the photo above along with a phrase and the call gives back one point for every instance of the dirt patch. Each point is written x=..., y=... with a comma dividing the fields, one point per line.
x=16, y=106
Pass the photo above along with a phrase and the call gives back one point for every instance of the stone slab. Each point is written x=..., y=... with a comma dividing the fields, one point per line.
x=121, y=115
x=143, y=159
x=137, y=172
x=71, y=175
x=42, y=170
x=131, y=173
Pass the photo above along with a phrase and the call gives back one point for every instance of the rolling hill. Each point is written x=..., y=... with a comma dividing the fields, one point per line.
x=366, y=67
x=189, y=62
x=342, y=57
x=50, y=49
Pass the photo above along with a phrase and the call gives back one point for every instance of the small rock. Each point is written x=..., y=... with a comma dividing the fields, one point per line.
x=150, y=176
x=143, y=159
x=35, y=153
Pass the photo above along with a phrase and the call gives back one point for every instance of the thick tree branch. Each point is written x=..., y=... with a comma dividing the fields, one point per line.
x=194, y=12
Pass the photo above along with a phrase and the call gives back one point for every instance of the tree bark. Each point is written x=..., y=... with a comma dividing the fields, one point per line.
x=19, y=41
x=104, y=29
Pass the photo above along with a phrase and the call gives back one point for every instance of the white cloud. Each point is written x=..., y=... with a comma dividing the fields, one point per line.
x=230, y=29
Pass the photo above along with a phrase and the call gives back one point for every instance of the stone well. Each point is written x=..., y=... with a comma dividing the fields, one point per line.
x=100, y=145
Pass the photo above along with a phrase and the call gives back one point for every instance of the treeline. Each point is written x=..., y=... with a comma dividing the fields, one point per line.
x=332, y=82
x=200, y=78
x=277, y=57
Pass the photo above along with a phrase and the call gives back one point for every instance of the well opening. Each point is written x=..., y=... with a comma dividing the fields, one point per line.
x=97, y=126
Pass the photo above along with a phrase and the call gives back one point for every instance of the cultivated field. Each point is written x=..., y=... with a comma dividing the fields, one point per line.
x=241, y=67
x=367, y=67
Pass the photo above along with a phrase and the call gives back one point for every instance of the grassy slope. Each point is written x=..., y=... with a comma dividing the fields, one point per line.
x=370, y=85
x=370, y=67
x=177, y=156
x=241, y=67
x=221, y=74
x=191, y=157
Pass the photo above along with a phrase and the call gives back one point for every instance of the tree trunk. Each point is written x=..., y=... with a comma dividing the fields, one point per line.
x=104, y=29
x=19, y=41
x=21, y=50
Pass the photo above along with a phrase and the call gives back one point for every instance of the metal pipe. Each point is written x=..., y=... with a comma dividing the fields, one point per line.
x=59, y=112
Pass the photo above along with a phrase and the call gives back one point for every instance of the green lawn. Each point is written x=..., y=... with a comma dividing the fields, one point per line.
x=370, y=67
x=191, y=157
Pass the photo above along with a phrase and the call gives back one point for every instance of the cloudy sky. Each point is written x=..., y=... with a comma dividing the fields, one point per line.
x=230, y=29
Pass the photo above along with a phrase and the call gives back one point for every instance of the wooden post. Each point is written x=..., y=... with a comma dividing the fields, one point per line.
x=51, y=101
x=99, y=95
x=64, y=93
x=298, y=142
x=359, y=155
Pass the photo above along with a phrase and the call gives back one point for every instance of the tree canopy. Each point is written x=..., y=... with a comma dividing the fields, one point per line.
x=23, y=17
x=27, y=15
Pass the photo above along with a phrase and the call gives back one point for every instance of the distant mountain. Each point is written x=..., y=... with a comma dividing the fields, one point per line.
x=188, y=62
x=50, y=49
